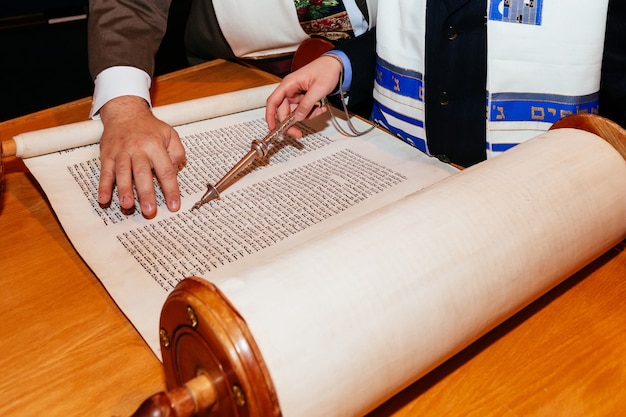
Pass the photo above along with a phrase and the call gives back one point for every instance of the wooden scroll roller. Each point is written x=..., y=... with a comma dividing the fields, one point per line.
x=309, y=50
x=1, y=170
x=291, y=338
x=209, y=353
x=29, y=144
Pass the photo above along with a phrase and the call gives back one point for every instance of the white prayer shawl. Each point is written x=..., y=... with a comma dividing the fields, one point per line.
x=281, y=32
x=540, y=69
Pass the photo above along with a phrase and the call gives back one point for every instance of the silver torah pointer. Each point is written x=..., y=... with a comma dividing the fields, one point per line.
x=258, y=149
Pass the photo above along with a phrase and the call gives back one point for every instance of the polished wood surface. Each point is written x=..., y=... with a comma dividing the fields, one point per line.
x=66, y=349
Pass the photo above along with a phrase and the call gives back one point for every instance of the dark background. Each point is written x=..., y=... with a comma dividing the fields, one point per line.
x=44, y=64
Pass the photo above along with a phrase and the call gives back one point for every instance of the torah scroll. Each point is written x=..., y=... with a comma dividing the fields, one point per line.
x=350, y=315
x=363, y=312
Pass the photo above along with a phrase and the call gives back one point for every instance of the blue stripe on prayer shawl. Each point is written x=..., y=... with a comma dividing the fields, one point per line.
x=500, y=147
x=530, y=107
x=401, y=81
x=379, y=117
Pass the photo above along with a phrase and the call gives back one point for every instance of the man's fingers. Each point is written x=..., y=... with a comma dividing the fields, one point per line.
x=176, y=150
x=106, y=183
x=295, y=132
x=144, y=185
x=135, y=146
x=166, y=173
x=317, y=111
x=124, y=181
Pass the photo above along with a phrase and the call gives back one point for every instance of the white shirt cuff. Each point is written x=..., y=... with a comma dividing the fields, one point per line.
x=116, y=82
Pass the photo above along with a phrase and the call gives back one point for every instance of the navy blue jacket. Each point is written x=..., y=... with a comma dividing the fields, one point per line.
x=455, y=76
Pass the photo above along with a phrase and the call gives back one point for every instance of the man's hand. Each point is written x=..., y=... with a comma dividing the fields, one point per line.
x=134, y=146
x=301, y=90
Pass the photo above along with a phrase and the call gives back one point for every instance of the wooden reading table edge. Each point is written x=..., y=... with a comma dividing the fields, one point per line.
x=67, y=349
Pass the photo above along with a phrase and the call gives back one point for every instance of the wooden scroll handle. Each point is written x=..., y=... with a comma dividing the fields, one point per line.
x=8, y=148
x=1, y=169
x=212, y=364
x=196, y=396
x=308, y=51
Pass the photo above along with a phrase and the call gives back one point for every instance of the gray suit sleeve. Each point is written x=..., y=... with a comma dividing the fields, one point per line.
x=125, y=32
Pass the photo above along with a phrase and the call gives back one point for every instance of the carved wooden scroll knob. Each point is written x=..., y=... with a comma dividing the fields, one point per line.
x=212, y=364
x=195, y=396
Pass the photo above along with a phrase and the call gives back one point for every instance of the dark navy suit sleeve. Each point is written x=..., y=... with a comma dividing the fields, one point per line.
x=613, y=81
x=362, y=54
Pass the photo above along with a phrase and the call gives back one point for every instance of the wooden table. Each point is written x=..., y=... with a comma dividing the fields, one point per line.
x=66, y=349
